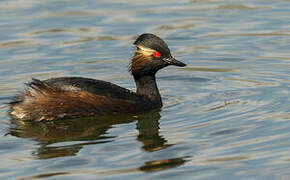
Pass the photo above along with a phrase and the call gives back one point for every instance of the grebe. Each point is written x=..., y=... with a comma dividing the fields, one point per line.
x=74, y=97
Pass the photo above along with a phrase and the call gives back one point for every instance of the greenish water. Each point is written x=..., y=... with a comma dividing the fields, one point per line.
x=225, y=116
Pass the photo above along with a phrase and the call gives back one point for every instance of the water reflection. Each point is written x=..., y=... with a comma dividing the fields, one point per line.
x=67, y=137
x=158, y=165
x=150, y=166
x=148, y=127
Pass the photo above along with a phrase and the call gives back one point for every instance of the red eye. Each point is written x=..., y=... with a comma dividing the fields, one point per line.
x=156, y=54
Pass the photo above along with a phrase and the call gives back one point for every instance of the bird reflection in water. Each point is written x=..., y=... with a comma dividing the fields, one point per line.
x=148, y=128
x=73, y=134
x=87, y=131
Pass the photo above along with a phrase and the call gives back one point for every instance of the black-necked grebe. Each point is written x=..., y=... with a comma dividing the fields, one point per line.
x=72, y=97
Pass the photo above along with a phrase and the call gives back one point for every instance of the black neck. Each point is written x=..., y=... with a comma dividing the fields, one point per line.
x=146, y=86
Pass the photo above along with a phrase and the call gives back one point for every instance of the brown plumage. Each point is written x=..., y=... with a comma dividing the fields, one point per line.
x=142, y=56
x=45, y=102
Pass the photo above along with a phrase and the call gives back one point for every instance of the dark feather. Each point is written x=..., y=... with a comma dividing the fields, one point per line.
x=74, y=97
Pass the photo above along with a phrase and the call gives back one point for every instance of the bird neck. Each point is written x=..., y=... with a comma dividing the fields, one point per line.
x=146, y=86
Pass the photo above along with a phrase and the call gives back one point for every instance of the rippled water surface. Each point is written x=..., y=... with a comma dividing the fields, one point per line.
x=225, y=116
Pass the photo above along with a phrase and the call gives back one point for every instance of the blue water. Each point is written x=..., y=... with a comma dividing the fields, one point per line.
x=225, y=116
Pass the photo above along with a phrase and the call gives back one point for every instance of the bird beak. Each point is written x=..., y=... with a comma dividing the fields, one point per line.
x=172, y=61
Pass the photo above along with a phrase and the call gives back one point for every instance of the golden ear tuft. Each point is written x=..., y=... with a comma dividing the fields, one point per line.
x=145, y=51
x=139, y=59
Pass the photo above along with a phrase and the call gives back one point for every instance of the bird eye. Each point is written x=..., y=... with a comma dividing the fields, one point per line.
x=156, y=54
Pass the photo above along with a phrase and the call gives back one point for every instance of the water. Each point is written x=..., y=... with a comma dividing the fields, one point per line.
x=226, y=115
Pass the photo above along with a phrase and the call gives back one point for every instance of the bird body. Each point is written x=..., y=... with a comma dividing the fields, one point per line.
x=73, y=97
